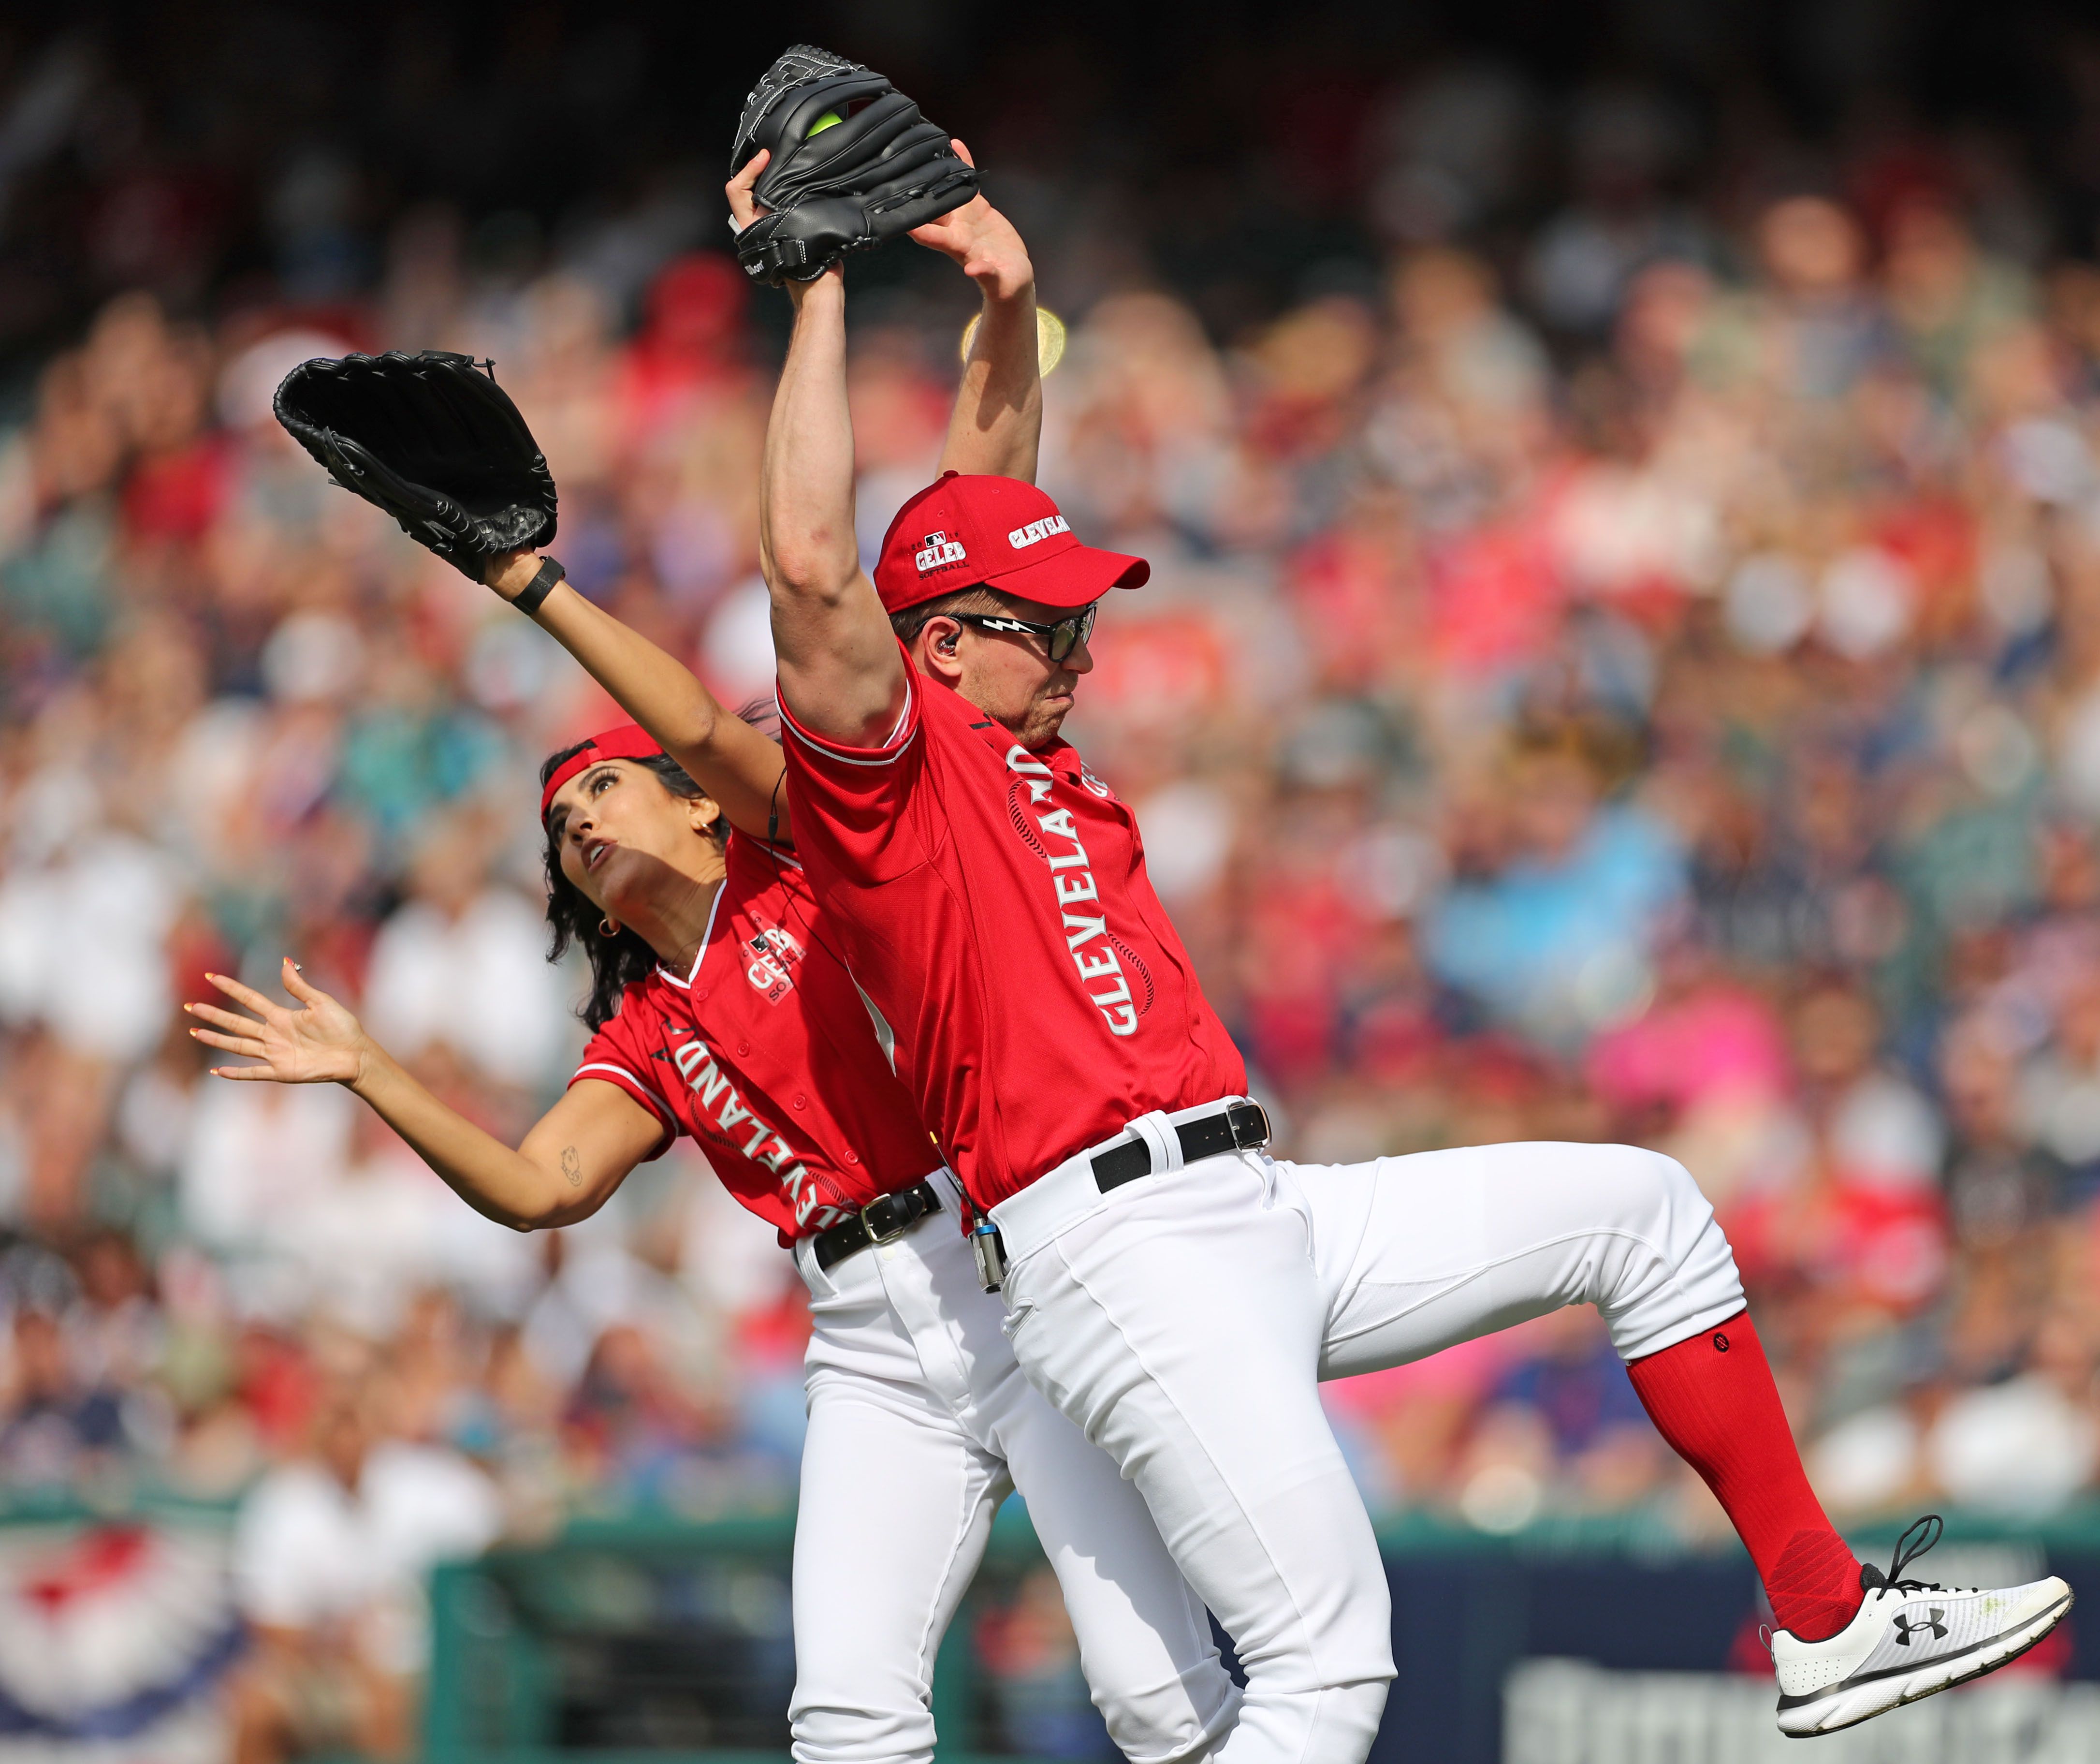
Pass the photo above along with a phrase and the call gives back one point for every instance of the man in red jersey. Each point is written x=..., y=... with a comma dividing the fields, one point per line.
x=721, y=1010
x=1172, y=1289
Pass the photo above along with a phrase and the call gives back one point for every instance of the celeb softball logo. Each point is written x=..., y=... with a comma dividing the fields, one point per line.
x=770, y=969
x=937, y=551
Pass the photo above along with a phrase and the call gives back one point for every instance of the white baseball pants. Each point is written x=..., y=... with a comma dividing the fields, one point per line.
x=1185, y=1321
x=920, y=1423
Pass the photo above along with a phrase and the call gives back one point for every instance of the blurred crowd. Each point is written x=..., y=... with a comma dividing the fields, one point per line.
x=1632, y=675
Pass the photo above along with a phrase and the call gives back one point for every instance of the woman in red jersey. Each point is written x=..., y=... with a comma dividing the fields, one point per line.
x=721, y=1011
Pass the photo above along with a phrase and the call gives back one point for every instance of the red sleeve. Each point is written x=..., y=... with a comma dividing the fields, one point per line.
x=856, y=802
x=613, y=1056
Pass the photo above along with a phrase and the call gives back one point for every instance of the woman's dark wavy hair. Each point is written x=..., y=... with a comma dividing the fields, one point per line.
x=616, y=963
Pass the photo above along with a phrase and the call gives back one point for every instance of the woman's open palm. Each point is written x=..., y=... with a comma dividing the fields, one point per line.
x=320, y=1043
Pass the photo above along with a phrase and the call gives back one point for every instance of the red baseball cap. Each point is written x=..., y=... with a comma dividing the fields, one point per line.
x=968, y=529
x=630, y=740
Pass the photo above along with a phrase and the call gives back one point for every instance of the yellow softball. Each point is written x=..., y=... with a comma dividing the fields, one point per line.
x=1049, y=339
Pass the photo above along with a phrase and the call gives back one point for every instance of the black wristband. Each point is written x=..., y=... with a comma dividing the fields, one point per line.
x=541, y=585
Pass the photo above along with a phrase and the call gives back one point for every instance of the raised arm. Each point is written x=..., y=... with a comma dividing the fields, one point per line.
x=997, y=427
x=721, y=753
x=841, y=672
x=581, y=1150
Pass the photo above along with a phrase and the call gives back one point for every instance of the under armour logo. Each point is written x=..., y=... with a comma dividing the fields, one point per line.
x=1906, y=1628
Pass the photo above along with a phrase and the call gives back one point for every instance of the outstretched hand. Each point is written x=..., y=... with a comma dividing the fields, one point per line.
x=744, y=208
x=321, y=1043
x=983, y=240
x=977, y=236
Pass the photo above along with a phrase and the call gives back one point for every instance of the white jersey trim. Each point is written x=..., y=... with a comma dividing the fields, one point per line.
x=655, y=1102
x=886, y=1037
x=892, y=746
x=904, y=716
x=779, y=854
x=707, y=937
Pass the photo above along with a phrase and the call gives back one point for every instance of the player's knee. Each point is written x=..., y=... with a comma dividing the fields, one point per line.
x=823, y=1733
x=1180, y=1722
x=1335, y=1724
x=1349, y=1632
x=1676, y=1262
x=1347, y=1721
x=1652, y=1193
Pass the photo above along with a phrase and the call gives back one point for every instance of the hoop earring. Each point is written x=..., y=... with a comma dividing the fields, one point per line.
x=607, y=928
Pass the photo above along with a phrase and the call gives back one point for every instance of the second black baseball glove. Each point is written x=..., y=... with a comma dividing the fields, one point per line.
x=852, y=164
x=430, y=440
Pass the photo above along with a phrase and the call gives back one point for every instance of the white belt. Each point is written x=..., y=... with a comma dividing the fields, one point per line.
x=1060, y=1197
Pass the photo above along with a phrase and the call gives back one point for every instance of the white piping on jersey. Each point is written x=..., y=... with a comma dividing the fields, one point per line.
x=707, y=937
x=779, y=854
x=886, y=1037
x=655, y=1102
x=892, y=747
x=904, y=716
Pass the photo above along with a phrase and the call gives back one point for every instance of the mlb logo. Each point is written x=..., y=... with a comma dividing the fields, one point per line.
x=937, y=552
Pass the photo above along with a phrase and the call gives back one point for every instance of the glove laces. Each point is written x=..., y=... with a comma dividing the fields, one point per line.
x=1927, y=1531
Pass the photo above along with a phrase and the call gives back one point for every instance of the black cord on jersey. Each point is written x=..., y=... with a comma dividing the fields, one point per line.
x=788, y=907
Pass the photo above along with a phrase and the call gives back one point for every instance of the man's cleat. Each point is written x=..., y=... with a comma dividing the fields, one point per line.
x=1909, y=1639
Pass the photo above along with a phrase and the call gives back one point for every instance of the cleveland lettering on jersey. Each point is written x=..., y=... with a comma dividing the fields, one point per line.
x=799, y=1109
x=707, y=1080
x=948, y=827
x=1101, y=977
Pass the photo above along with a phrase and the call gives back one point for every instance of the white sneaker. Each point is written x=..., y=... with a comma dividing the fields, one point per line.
x=1909, y=1639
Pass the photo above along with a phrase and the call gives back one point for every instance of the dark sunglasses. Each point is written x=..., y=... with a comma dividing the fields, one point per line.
x=1061, y=638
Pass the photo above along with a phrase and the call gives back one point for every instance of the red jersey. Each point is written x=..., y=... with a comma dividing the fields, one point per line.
x=995, y=905
x=766, y=1055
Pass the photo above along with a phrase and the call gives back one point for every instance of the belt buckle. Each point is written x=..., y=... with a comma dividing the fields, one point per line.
x=876, y=1236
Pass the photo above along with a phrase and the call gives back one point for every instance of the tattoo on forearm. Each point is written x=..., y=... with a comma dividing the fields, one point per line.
x=573, y=1166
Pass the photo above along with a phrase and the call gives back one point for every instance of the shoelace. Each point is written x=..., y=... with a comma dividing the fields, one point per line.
x=1928, y=1531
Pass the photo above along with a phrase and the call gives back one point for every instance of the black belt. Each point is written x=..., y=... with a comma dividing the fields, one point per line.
x=880, y=1222
x=1233, y=1127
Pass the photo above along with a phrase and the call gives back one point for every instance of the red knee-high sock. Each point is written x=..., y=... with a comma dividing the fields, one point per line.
x=1713, y=1399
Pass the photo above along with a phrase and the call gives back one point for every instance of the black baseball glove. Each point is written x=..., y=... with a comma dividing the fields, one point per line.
x=431, y=440
x=852, y=164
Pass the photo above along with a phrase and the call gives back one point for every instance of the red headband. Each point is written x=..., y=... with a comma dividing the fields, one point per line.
x=630, y=740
